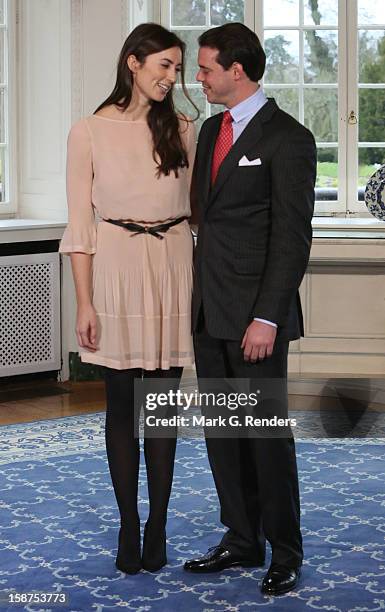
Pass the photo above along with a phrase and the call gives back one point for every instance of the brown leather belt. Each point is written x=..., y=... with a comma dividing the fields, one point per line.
x=146, y=229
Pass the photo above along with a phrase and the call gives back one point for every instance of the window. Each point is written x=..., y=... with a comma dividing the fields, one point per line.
x=302, y=41
x=190, y=18
x=366, y=94
x=325, y=66
x=7, y=71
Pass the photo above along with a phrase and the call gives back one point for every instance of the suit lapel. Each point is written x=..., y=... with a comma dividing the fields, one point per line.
x=249, y=137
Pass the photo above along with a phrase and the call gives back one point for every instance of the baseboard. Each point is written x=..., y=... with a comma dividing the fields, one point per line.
x=80, y=371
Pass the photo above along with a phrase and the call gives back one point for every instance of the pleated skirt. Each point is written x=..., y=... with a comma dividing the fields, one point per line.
x=142, y=296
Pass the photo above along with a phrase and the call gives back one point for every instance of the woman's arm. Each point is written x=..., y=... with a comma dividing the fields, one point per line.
x=86, y=315
x=79, y=239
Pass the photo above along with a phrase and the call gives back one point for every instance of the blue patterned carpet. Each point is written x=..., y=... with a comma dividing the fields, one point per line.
x=59, y=526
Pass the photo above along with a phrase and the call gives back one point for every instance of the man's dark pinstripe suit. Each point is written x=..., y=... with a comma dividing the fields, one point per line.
x=252, y=251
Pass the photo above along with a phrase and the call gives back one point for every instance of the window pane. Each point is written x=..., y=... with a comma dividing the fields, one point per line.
x=188, y=12
x=287, y=99
x=321, y=56
x=281, y=56
x=182, y=104
x=223, y=11
x=327, y=174
x=2, y=12
x=370, y=159
x=371, y=56
x=323, y=12
x=371, y=115
x=190, y=37
x=216, y=108
x=281, y=12
x=321, y=113
x=371, y=11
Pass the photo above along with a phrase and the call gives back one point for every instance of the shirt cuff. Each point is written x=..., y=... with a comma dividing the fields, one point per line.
x=268, y=322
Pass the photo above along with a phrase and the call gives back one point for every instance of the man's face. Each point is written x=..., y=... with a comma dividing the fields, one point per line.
x=218, y=83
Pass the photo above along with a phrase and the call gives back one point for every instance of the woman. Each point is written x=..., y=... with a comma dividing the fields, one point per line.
x=132, y=162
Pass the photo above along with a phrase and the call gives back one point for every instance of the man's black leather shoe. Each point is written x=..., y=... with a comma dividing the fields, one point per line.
x=280, y=579
x=217, y=559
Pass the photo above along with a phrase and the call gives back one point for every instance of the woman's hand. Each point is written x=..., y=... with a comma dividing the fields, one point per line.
x=86, y=327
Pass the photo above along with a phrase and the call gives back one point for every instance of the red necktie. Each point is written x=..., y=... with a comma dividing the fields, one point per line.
x=223, y=144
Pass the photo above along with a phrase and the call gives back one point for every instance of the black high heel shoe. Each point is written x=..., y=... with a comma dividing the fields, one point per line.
x=154, y=549
x=128, y=557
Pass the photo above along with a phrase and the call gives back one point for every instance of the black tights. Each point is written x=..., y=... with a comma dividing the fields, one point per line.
x=123, y=459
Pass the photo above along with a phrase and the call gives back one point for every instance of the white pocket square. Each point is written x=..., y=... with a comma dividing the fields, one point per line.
x=249, y=162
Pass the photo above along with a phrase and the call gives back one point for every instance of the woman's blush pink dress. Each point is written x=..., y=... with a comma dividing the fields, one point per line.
x=141, y=285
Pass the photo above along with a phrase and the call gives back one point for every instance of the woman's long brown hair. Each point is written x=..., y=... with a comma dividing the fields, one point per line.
x=162, y=118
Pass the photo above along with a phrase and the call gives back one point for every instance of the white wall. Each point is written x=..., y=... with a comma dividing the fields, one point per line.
x=67, y=56
x=44, y=53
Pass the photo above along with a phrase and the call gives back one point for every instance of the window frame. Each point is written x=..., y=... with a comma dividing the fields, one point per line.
x=355, y=206
x=322, y=207
x=9, y=206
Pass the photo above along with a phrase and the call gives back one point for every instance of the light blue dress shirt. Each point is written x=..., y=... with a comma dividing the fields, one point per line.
x=242, y=114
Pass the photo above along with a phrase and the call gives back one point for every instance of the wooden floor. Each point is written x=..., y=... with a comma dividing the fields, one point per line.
x=69, y=399
x=40, y=400
x=35, y=401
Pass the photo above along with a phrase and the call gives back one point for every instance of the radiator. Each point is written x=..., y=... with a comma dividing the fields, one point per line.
x=29, y=313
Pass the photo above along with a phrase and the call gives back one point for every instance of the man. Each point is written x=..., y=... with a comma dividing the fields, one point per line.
x=254, y=179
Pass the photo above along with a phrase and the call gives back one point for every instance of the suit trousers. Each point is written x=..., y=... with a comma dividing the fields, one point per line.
x=255, y=477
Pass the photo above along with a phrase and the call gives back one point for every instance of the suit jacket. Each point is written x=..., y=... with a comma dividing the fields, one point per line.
x=255, y=228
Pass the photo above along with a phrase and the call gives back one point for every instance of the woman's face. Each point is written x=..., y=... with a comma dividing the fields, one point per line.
x=158, y=73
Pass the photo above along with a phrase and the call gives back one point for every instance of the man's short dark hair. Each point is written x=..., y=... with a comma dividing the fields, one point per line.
x=236, y=43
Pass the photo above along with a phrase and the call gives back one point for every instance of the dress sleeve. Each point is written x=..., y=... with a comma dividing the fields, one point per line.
x=80, y=233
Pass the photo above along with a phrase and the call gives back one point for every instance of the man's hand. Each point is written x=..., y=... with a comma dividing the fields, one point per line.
x=258, y=341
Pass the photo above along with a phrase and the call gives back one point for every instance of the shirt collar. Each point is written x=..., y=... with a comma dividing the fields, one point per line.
x=248, y=107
